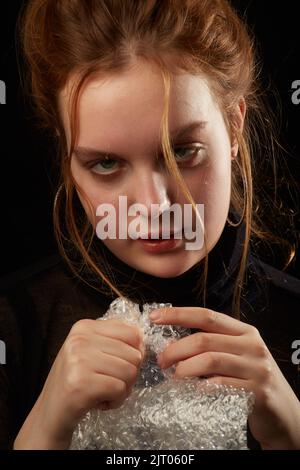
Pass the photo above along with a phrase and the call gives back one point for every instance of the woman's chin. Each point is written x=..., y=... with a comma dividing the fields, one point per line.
x=167, y=265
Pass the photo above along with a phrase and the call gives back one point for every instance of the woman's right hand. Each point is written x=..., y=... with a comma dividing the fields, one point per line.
x=95, y=368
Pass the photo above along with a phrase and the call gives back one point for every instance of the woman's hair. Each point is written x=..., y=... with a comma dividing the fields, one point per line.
x=97, y=37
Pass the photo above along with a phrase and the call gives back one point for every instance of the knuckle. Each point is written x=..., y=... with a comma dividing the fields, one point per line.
x=179, y=370
x=265, y=370
x=131, y=372
x=262, y=351
x=265, y=396
x=74, y=345
x=75, y=381
x=201, y=341
x=135, y=335
x=118, y=388
x=254, y=332
x=81, y=325
x=138, y=357
x=213, y=360
x=211, y=316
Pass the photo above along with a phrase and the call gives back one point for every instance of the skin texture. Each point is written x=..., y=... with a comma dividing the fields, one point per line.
x=98, y=362
x=121, y=115
x=233, y=353
x=95, y=368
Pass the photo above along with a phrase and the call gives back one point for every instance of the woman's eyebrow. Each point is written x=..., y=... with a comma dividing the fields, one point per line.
x=86, y=153
x=182, y=131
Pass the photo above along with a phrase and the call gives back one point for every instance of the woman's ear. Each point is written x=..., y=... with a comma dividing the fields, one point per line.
x=238, y=126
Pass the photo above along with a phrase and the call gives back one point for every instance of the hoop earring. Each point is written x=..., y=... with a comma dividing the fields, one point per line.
x=57, y=196
x=233, y=224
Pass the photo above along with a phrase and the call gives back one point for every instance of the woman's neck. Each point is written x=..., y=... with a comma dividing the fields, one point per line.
x=184, y=289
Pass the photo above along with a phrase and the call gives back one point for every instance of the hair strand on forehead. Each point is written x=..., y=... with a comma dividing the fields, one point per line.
x=60, y=39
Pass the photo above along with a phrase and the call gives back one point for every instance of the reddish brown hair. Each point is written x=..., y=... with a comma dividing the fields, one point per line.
x=60, y=37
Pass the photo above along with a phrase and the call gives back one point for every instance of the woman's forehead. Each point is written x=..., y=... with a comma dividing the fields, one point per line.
x=135, y=100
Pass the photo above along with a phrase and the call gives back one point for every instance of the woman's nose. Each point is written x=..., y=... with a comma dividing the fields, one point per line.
x=152, y=189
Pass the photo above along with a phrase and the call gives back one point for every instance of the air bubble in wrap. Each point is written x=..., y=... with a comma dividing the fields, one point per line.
x=162, y=412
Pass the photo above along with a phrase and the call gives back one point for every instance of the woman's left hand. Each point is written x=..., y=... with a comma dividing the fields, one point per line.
x=233, y=353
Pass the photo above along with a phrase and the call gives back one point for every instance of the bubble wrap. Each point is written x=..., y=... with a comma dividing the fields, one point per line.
x=163, y=412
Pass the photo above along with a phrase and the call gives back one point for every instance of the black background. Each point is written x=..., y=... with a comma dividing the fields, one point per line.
x=26, y=185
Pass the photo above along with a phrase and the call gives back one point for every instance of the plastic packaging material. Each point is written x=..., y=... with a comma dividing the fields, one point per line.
x=163, y=412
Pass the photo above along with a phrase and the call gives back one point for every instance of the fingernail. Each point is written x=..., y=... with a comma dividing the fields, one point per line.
x=155, y=315
x=142, y=351
x=160, y=360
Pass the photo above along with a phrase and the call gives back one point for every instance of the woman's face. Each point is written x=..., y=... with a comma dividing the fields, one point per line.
x=120, y=116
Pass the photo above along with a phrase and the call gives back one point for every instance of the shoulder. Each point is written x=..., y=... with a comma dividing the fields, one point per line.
x=47, y=293
x=47, y=270
x=29, y=300
x=272, y=305
x=280, y=280
x=38, y=306
x=277, y=296
x=280, y=290
x=15, y=288
x=272, y=297
x=50, y=276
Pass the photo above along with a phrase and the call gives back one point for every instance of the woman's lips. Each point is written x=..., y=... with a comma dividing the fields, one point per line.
x=160, y=245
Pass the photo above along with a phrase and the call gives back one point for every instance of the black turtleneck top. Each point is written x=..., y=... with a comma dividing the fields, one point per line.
x=39, y=305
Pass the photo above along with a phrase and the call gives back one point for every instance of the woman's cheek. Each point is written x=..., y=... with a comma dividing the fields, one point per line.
x=212, y=188
x=91, y=189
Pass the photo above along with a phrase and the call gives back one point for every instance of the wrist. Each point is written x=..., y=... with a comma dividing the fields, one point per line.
x=36, y=435
x=39, y=442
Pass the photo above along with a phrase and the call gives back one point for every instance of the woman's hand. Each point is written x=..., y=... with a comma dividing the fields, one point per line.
x=233, y=353
x=95, y=368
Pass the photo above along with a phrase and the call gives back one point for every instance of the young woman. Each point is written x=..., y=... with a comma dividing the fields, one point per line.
x=155, y=102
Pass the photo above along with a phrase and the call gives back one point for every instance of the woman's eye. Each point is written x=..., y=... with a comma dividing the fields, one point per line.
x=189, y=154
x=186, y=156
x=105, y=166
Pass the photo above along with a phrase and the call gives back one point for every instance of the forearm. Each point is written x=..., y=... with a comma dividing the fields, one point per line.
x=34, y=434
x=290, y=436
